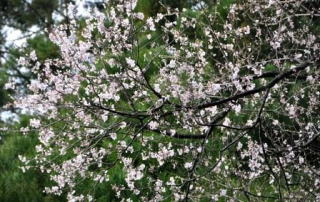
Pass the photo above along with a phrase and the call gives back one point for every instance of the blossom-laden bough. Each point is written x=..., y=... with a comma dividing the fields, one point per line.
x=213, y=101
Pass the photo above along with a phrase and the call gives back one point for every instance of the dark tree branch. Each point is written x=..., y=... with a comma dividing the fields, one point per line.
x=256, y=90
x=179, y=135
x=136, y=115
x=195, y=163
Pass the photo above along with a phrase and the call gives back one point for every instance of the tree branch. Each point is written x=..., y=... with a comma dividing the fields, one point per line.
x=256, y=90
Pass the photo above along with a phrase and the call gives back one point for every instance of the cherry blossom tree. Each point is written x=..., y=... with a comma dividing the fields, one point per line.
x=208, y=102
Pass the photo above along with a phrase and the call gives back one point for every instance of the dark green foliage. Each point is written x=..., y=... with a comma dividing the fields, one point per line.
x=44, y=48
x=4, y=98
x=21, y=15
x=14, y=184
